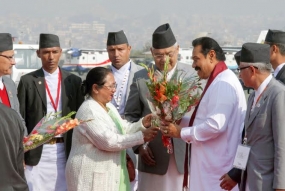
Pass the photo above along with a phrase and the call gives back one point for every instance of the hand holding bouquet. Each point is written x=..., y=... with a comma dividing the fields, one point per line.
x=170, y=99
x=49, y=127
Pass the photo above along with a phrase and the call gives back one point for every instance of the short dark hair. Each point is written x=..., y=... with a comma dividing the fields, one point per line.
x=208, y=44
x=280, y=46
x=97, y=76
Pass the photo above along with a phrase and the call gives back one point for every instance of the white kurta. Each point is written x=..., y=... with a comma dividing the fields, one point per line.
x=216, y=132
x=172, y=180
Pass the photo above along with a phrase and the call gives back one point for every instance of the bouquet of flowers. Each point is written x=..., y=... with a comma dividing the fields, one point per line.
x=49, y=127
x=171, y=99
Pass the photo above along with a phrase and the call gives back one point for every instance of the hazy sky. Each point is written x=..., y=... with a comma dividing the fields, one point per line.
x=62, y=8
x=152, y=13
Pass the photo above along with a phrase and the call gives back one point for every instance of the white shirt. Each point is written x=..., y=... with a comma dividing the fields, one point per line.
x=1, y=83
x=52, y=82
x=260, y=90
x=121, y=78
x=170, y=73
x=278, y=69
x=216, y=132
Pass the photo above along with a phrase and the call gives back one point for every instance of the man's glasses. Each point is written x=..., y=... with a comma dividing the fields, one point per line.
x=111, y=87
x=161, y=56
x=11, y=58
x=239, y=69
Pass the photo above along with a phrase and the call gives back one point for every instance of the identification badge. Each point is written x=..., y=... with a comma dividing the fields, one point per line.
x=241, y=157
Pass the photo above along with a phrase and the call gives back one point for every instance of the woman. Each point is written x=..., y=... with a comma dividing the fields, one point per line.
x=97, y=160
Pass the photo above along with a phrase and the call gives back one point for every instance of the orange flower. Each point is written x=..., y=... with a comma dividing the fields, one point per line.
x=162, y=89
x=159, y=96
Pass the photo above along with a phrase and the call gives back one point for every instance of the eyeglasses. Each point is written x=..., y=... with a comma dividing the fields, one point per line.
x=160, y=56
x=111, y=87
x=11, y=58
x=239, y=69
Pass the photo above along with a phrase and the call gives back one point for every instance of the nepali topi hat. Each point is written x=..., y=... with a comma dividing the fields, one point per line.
x=163, y=37
x=255, y=52
x=49, y=41
x=116, y=38
x=6, y=42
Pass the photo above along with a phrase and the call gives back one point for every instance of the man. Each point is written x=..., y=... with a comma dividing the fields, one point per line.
x=48, y=90
x=264, y=121
x=276, y=40
x=8, y=89
x=158, y=170
x=215, y=127
x=12, y=151
x=123, y=69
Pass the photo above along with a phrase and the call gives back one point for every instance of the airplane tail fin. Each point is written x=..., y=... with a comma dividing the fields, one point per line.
x=262, y=36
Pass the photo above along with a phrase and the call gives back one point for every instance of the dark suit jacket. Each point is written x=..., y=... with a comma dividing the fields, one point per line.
x=281, y=75
x=12, y=151
x=137, y=107
x=32, y=98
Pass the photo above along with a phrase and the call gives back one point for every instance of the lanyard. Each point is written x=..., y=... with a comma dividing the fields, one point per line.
x=57, y=93
x=257, y=100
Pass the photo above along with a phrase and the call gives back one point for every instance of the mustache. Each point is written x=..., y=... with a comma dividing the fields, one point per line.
x=197, y=68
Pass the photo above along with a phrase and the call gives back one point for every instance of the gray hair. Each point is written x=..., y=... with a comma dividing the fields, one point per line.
x=261, y=66
x=175, y=44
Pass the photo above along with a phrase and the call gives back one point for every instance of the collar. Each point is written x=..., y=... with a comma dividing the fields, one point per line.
x=55, y=73
x=278, y=69
x=123, y=69
x=170, y=73
x=1, y=83
x=263, y=86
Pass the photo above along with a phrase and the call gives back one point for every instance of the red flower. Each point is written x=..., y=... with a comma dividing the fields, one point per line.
x=175, y=99
x=34, y=132
x=25, y=139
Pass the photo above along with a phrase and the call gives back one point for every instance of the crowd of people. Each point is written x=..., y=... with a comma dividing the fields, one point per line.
x=225, y=143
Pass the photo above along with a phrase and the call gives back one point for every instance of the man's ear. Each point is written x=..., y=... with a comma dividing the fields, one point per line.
x=275, y=49
x=38, y=53
x=212, y=55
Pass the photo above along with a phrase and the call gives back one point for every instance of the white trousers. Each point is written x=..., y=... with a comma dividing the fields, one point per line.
x=134, y=183
x=171, y=181
x=49, y=174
